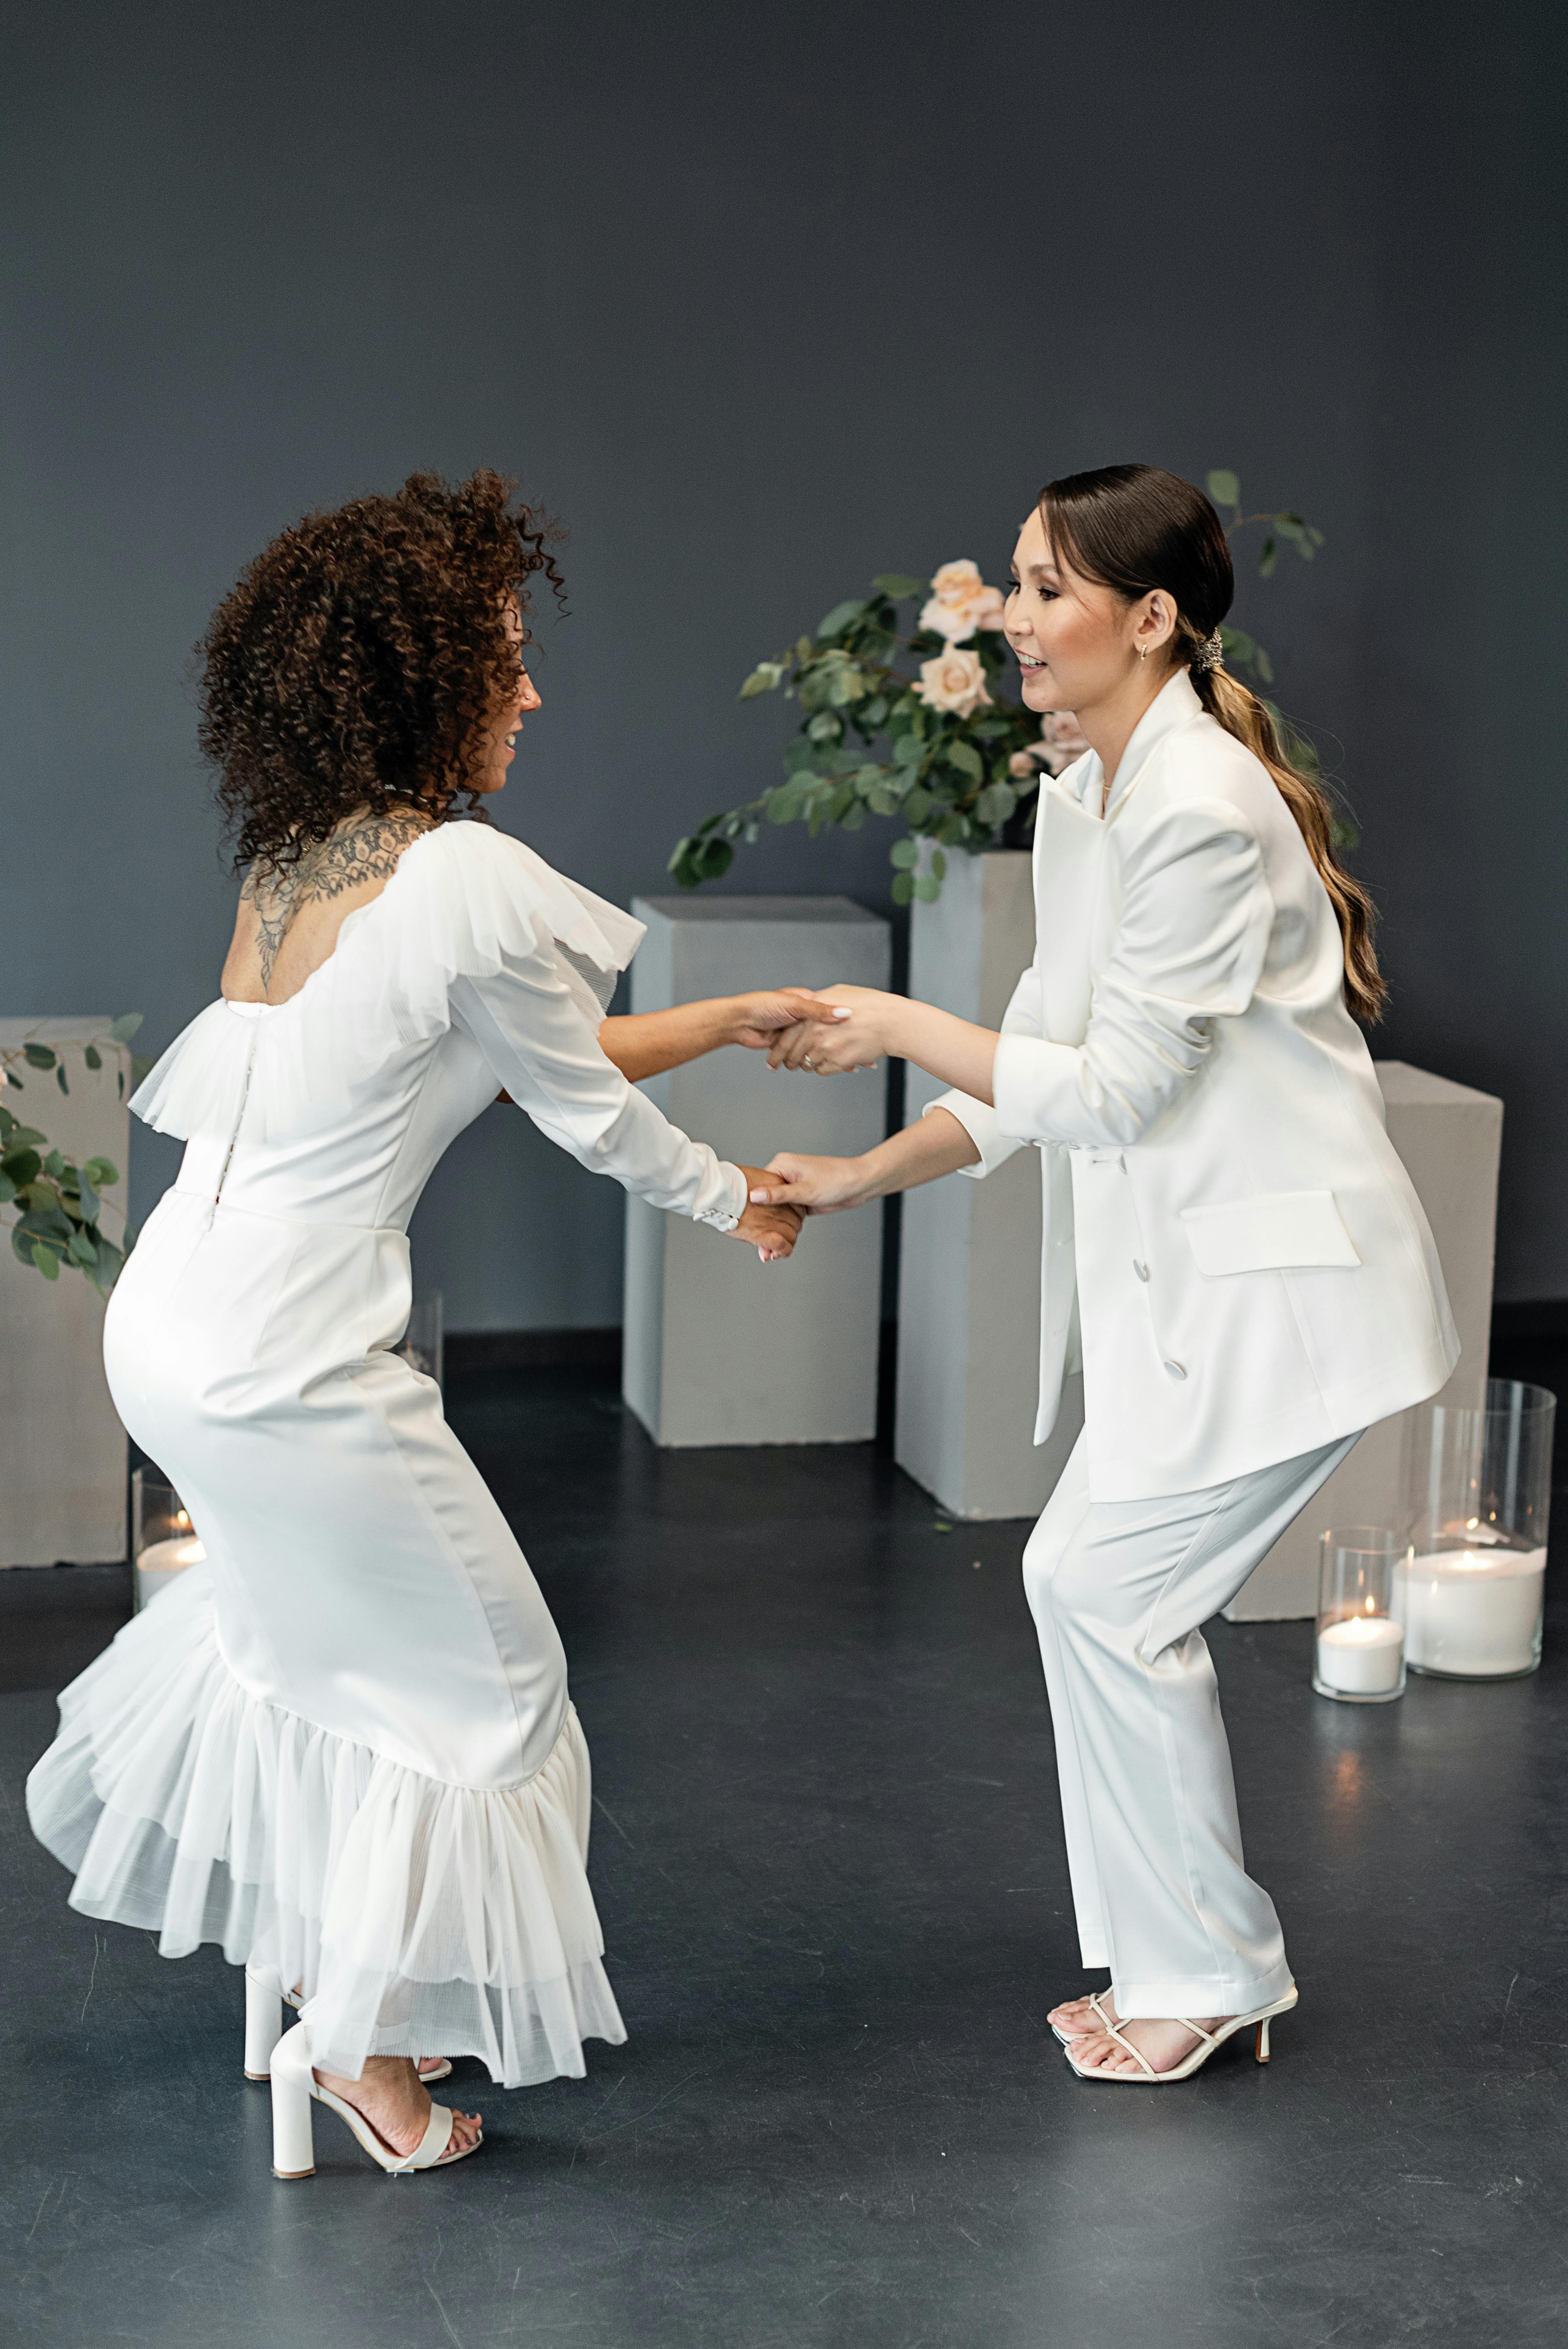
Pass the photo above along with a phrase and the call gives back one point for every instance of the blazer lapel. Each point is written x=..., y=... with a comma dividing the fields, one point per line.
x=1069, y=846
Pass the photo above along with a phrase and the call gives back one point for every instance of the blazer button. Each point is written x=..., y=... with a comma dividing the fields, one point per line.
x=1175, y=1370
x=1142, y=1272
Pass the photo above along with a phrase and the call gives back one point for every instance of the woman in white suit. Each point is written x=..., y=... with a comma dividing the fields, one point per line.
x=1226, y=1222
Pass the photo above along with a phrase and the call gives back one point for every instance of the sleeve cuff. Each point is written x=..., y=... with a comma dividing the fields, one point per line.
x=726, y=1211
x=979, y=1123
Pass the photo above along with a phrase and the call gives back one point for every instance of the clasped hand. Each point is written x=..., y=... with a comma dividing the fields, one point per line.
x=857, y=1036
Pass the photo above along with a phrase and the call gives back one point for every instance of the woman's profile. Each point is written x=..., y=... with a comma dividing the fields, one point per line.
x=343, y=1748
x=1228, y=1231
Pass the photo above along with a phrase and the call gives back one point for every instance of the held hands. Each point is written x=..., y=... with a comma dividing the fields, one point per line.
x=854, y=1034
x=762, y=1016
x=810, y=1187
x=770, y=1226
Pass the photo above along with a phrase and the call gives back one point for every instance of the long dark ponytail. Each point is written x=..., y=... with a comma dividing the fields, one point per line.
x=1134, y=528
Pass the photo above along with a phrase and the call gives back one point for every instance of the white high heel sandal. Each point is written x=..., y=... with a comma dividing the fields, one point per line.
x=265, y=1999
x=295, y=2087
x=1207, y=2041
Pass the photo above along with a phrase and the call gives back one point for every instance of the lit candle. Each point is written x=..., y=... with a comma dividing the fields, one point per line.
x=161, y=1560
x=1361, y=1655
x=1474, y=1613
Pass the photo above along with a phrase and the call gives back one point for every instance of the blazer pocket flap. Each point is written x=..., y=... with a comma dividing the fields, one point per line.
x=1286, y=1228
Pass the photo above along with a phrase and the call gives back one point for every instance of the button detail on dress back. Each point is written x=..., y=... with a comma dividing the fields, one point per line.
x=1176, y=1370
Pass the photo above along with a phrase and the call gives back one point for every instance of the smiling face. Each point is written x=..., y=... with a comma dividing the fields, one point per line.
x=500, y=728
x=1081, y=646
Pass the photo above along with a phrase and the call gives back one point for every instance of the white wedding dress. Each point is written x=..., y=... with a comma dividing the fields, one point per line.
x=343, y=1746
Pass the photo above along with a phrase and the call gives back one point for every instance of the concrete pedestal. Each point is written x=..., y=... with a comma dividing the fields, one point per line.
x=62, y=1448
x=719, y=1348
x=969, y=1262
x=1450, y=1139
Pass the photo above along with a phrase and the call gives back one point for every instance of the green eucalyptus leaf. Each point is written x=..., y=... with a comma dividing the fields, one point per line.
x=927, y=888
x=996, y=803
x=825, y=727
x=60, y=1078
x=54, y=1165
x=93, y=1057
x=917, y=804
x=898, y=585
x=966, y=758
x=903, y=853
x=8, y=1189
x=1225, y=488
x=1265, y=666
x=90, y=1203
x=22, y=1165
x=38, y=1056
x=903, y=888
x=140, y=1066
x=883, y=800
x=126, y=1026
x=82, y=1250
x=874, y=714
x=839, y=618
x=804, y=648
x=1267, y=559
x=939, y=864
x=1343, y=834
x=48, y=1262
x=764, y=679
x=855, y=816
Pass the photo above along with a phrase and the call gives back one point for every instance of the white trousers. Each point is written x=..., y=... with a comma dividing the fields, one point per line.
x=1118, y=1591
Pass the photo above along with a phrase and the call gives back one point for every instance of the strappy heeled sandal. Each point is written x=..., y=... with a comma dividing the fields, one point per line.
x=295, y=2089
x=1146, y=2076
x=1066, y=2037
x=264, y=2026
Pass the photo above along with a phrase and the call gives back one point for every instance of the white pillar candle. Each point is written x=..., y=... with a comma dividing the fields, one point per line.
x=1474, y=1613
x=1361, y=1654
x=157, y=1565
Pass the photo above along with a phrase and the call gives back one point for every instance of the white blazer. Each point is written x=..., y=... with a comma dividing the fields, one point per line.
x=1225, y=1216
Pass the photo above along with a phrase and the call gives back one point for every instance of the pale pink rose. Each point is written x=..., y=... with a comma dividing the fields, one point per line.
x=961, y=602
x=1022, y=764
x=954, y=682
x=1060, y=740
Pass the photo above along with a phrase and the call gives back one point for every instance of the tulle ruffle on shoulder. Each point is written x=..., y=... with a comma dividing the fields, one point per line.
x=418, y=1918
x=465, y=901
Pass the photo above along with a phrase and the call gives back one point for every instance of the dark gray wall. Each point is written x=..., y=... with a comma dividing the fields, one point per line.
x=760, y=302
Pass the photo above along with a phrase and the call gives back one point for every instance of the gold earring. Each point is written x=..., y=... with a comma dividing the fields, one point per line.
x=1143, y=652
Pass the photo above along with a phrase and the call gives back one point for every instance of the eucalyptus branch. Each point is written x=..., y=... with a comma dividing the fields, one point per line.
x=60, y=1221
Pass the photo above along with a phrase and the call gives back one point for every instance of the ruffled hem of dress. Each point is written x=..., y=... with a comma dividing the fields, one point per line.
x=416, y=1917
x=465, y=901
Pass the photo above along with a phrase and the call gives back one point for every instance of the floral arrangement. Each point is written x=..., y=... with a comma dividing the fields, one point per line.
x=960, y=762
x=60, y=1221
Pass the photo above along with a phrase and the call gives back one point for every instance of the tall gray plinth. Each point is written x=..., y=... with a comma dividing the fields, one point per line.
x=1449, y=1139
x=969, y=1260
x=62, y=1448
x=719, y=1348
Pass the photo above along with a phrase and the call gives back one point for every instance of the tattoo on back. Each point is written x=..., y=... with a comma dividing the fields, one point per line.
x=365, y=848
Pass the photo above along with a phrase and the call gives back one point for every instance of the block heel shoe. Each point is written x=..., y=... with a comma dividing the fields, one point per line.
x=295, y=2089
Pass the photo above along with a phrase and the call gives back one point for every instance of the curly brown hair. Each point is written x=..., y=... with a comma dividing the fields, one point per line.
x=353, y=662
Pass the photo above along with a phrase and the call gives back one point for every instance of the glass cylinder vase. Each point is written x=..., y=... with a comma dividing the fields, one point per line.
x=1474, y=1583
x=1358, y=1656
x=163, y=1541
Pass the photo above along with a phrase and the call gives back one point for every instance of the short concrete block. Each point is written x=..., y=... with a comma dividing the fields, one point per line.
x=62, y=1448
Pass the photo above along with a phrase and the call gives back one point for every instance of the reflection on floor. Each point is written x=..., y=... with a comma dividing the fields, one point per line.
x=828, y=1858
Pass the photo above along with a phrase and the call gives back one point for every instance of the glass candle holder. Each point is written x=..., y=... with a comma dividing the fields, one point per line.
x=1360, y=1653
x=421, y=1346
x=1475, y=1581
x=163, y=1541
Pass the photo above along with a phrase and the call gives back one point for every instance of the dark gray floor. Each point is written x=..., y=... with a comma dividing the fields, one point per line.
x=828, y=1859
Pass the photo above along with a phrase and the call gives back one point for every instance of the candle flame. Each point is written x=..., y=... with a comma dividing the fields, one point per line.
x=181, y=1520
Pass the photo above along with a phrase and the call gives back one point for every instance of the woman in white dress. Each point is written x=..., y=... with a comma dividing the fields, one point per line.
x=1226, y=1222
x=343, y=1747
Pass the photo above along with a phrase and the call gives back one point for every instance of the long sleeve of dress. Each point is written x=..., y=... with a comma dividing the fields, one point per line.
x=1195, y=924
x=544, y=1052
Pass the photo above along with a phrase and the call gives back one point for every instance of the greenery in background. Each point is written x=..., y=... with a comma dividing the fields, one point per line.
x=60, y=1215
x=939, y=750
